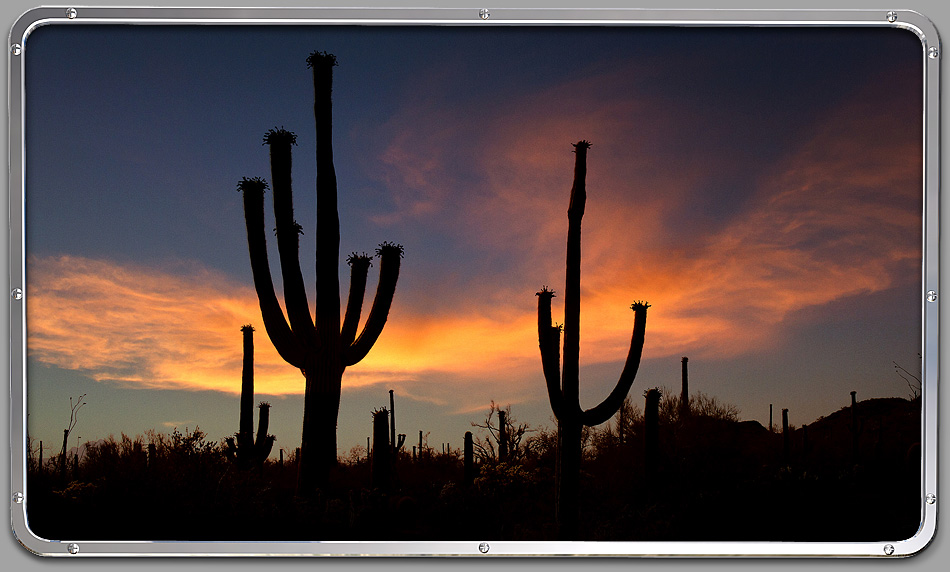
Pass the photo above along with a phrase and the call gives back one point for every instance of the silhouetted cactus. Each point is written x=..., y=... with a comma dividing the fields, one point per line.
x=248, y=451
x=468, y=459
x=382, y=461
x=651, y=433
x=684, y=394
x=324, y=348
x=786, y=437
x=563, y=387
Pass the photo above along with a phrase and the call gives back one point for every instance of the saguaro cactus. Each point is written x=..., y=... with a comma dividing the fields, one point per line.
x=322, y=348
x=248, y=451
x=651, y=433
x=382, y=461
x=563, y=387
x=786, y=437
x=468, y=459
x=684, y=394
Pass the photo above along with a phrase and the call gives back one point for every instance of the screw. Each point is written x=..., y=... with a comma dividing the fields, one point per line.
x=888, y=549
x=484, y=14
x=71, y=14
x=932, y=296
x=73, y=548
x=931, y=498
x=18, y=498
x=483, y=547
x=16, y=294
x=15, y=49
x=933, y=53
x=892, y=17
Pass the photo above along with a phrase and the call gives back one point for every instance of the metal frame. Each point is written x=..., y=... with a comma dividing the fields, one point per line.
x=931, y=53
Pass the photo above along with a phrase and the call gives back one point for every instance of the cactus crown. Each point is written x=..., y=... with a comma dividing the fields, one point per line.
x=639, y=305
x=253, y=184
x=583, y=144
x=297, y=226
x=264, y=405
x=359, y=258
x=656, y=391
x=321, y=58
x=247, y=328
x=545, y=292
x=380, y=411
x=389, y=247
x=279, y=135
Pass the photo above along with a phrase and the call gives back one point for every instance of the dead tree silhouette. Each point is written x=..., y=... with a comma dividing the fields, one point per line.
x=563, y=387
x=247, y=452
x=73, y=420
x=323, y=348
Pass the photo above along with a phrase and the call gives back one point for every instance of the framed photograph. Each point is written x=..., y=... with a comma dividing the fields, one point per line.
x=474, y=282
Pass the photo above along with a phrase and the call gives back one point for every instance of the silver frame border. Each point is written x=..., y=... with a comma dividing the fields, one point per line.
x=906, y=19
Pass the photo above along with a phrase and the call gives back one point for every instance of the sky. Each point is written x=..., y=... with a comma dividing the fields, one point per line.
x=761, y=188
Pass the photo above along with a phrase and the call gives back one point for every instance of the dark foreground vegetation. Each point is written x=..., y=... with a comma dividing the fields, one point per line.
x=851, y=476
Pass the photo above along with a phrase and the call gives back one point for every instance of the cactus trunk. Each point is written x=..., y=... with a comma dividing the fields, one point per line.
x=322, y=348
x=563, y=386
x=684, y=395
x=786, y=437
x=651, y=434
x=468, y=460
x=854, y=427
x=382, y=463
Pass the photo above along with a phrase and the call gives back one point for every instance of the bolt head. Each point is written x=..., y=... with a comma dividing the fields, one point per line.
x=933, y=53
x=18, y=498
x=931, y=498
x=483, y=547
x=932, y=296
x=16, y=294
x=16, y=49
x=73, y=548
x=71, y=14
x=888, y=549
x=892, y=17
x=484, y=14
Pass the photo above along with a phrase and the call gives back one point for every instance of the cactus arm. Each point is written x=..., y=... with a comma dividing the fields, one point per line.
x=274, y=323
x=288, y=235
x=549, y=341
x=359, y=267
x=328, y=218
x=390, y=258
x=611, y=404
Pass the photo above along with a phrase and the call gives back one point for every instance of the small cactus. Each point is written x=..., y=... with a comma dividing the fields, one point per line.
x=382, y=460
x=468, y=460
x=248, y=451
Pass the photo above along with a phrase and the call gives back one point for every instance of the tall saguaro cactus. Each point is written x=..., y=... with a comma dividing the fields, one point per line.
x=321, y=348
x=563, y=387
